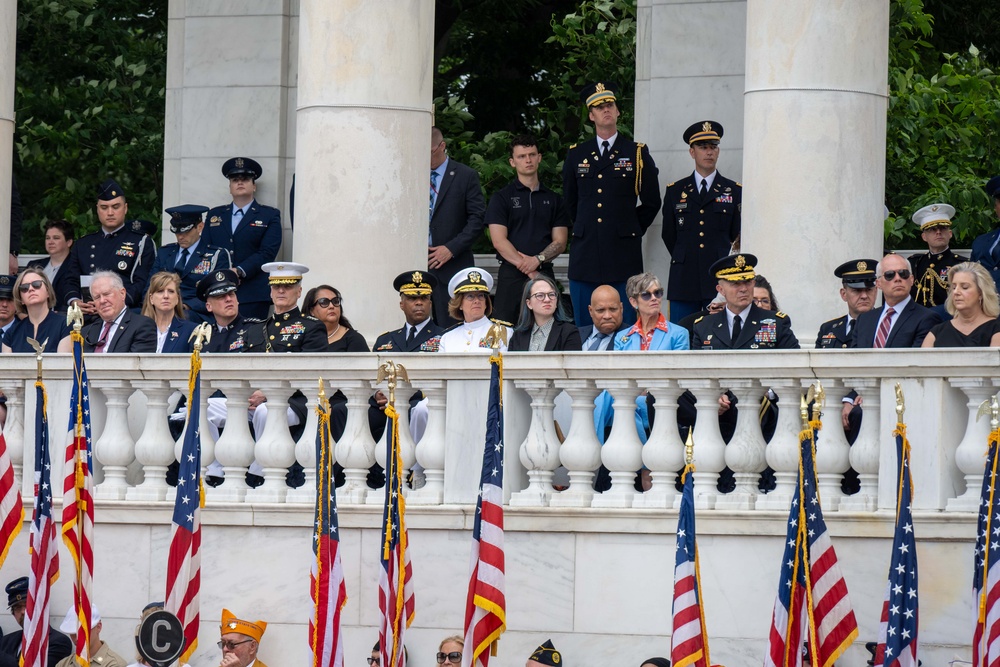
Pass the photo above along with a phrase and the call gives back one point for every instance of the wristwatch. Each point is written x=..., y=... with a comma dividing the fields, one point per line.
x=541, y=258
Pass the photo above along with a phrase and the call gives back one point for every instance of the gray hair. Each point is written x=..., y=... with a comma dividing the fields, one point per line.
x=639, y=283
x=116, y=280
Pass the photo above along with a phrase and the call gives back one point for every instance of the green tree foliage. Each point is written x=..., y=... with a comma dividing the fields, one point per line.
x=89, y=105
x=942, y=140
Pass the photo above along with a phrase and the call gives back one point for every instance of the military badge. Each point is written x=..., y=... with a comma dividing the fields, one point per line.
x=475, y=277
x=239, y=165
x=431, y=344
x=122, y=265
x=383, y=348
x=417, y=277
x=204, y=266
x=215, y=221
x=293, y=329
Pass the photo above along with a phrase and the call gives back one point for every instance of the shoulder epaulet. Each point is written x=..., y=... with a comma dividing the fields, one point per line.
x=252, y=320
x=573, y=146
x=501, y=322
x=780, y=314
x=670, y=185
x=699, y=319
x=738, y=184
x=309, y=317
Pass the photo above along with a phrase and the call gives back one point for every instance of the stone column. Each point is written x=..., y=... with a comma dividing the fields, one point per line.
x=363, y=148
x=814, y=145
x=8, y=42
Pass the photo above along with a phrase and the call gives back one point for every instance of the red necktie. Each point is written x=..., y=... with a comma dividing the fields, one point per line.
x=102, y=342
x=883, y=329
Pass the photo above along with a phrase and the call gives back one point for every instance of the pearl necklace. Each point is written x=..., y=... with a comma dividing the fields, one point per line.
x=333, y=333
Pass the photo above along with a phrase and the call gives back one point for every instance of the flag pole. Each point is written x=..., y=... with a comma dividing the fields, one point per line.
x=981, y=638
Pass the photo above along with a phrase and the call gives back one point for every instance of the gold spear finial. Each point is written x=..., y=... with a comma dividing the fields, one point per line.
x=819, y=400
x=990, y=407
x=804, y=402
x=39, y=348
x=202, y=334
x=496, y=336
x=74, y=316
x=900, y=403
x=689, y=447
x=392, y=372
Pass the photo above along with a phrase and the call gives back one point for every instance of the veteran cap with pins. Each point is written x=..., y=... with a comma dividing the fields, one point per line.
x=218, y=283
x=253, y=629
x=546, y=654
x=242, y=166
x=185, y=217
x=934, y=215
x=472, y=279
x=7, y=286
x=414, y=283
x=284, y=273
x=735, y=268
x=703, y=131
x=857, y=273
x=599, y=93
x=109, y=189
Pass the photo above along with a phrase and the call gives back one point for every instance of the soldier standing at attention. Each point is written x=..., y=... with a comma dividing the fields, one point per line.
x=612, y=196
x=930, y=269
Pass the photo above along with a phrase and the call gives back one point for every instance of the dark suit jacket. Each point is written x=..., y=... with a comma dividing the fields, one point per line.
x=698, y=231
x=601, y=200
x=135, y=333
x=66, y=282
x=428, y=340
x=458, y=219
x=588, y=329
x=178, y=337
x=763, y=330
x=564, y=337
x=981, y=253
x=833, y=334
x=255, y=243
x=60, y=647
x=909, y=329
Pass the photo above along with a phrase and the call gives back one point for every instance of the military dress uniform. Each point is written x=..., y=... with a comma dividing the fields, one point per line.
x=428, y=339
x=856, y=274
x=930, y=276
x=127, y=253
x=833, y=334
x=291, y=331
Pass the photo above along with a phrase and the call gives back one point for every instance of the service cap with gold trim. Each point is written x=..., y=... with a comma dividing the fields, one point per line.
x=242, y=166
x=284, y=273
x=415, y=283
x=547, y=654
x=7, y=286
x=109, y=189
x=934, y=215
x=599, y=93
x=735, y=268
x=472, y=279
x=857, y=273
x=703, y=130
x=252, y=629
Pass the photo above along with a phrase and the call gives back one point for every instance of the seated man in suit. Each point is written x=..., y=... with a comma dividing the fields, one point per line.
x=606, y=312
x=118, y=329
x=901, y=322
x=10, y=644
x=190, y=258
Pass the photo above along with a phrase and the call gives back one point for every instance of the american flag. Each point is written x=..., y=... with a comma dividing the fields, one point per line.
x=395, y=598
x=897, y=632
x=78, y=500
x=486, y=605
x=184, y=558
x=326, y=582
x=986, y=573
x=689, y=639
x=44, y=546
x=809, y=573
x=11, y=507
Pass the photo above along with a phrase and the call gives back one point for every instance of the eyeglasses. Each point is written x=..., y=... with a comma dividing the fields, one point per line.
x=544, y=296
x=763, y=301
x=374, y=661
x=454, y=657
x=902, y=273
x=34, y=284
x=231, y=646
x=326, y=303
x=656, y=293
x=474, y=296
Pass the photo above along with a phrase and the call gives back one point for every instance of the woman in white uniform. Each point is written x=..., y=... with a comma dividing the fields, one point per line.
x=469, y=290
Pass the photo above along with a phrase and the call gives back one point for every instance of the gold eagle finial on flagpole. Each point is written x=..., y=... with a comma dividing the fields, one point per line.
x=202, y=334
x=496, y=335
x=39, y=348
x=990, y=407
x=74, y=317
x=393, y=372
x=900, y=403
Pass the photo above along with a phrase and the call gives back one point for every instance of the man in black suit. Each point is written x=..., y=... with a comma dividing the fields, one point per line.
x=612, y=196
x=858, y=292
x=901, y=322
x=605, y=311
x=419, y=333
x=10, y=645
x=456, y=220
x=118, y=329
x=701, y=220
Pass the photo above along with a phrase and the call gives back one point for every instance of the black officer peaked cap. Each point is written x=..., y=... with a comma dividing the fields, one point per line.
x=857, y=273
x=235, y=166
x=703, y=130
x=17, y=591
x=415, y=283
x=735, y=268
x=109, y=189
x=142, y=227
x=599, y=93
x=184, y=218
x=7, y=286
x=217, y=283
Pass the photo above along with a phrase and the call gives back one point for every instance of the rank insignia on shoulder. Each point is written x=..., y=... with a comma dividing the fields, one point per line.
x=699, y=319
x=781, y=314
x=739, y=185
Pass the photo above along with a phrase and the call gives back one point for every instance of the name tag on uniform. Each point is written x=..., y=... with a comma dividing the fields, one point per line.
x=582, y=169
x=680, y=207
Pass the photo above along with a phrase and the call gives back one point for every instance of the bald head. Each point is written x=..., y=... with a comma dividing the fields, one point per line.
x=606, y=309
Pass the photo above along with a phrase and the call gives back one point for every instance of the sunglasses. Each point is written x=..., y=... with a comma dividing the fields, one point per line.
x=902, y=273
x=374, y=661
x=657, y=293
x=34, y=284
x=326, y=303
x=229, y=646
x=454, y=657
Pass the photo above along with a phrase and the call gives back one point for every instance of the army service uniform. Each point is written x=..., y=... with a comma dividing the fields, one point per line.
x=288, y=332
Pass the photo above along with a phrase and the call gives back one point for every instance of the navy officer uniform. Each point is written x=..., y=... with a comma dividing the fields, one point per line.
x=856, y=274
x=291, y=331
x=603, y=181
x=930, y=269
x=699, y=228
x=421, y=337
x=193, y=262
x=254, y=242
x=986, y=247
x=128, y=253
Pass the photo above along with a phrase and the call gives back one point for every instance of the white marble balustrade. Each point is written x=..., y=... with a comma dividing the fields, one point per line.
x=943, y=389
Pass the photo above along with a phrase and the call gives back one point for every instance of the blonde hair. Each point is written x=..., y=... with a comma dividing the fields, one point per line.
x=18, y=303
x=454, y=639
x=988, y=298
x=455, y=305
x=158, y=283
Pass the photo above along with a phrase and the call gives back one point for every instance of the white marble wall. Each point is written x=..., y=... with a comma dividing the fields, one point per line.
x=8, y=33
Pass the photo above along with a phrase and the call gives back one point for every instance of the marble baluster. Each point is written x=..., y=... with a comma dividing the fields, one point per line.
x=663, y=452
x=581, y=451
x=971, y=453
x=356, y=448
x=622, y=451
x=155, y=447
x=783, y=452
x=745, y=453
x=13, y=432
x=275, y=449
x=115, y=449
x=305, y=454
x=235, y=447
x=430, y=451
x=539, y=452
x=833, y=452
x=709, y=447
x=864, y=454
x=407, y=448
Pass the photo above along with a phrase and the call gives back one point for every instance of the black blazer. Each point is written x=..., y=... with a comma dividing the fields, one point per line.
x=458, y=218
x=909, y=330
x=65, y=284
x=564, y=337
x=428, y=340
x=135, y=333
